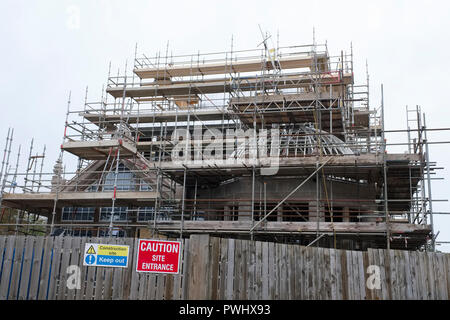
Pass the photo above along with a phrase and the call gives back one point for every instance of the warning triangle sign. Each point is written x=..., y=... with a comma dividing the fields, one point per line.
x=91, y=250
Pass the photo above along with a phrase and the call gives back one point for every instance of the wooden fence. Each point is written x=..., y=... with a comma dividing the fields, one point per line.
x=212, y=268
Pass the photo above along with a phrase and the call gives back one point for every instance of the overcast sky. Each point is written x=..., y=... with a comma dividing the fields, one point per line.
x=52, y=47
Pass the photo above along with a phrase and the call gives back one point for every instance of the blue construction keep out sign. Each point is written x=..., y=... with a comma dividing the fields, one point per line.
x=105, y=255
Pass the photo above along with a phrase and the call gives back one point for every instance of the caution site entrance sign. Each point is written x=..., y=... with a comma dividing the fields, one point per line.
x=158, y=256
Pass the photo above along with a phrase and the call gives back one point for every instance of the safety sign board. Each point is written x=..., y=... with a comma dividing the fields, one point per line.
x=158, y=256
x=105, y=255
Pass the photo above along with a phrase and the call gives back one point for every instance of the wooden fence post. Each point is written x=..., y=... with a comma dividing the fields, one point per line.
x=198, y=268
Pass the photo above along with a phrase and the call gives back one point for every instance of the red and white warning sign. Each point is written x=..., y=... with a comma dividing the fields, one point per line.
x=158, y=256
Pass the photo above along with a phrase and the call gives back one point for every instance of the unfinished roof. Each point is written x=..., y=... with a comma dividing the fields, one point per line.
x=208, y=68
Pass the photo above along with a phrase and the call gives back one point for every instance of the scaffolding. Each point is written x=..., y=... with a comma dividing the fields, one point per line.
x=290, y=117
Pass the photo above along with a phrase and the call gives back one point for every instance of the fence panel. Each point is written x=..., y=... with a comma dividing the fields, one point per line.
x=49, y=268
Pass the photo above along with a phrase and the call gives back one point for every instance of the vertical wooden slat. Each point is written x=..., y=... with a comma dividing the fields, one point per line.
x=302, y=272
x=127, y=272
x=76, y=259
x=418, y=275
x=282, y=268
x=307, y=285
x=362, y=275
x=305, y=273
x=61, y=290
x=347, y=277
x=90, y=273
x=99, y=283
x=314, y=273
x=424, y=290
x=431, y=276
x=285, y=271
x=289, y=274
x=153, y=282
x=291, y=271
x=160, y=286
x=47, y=259
x=146, y=288
x=215, y=256
x=251, y=270
x=2, y=251
x=230, y=269
x=237, y=269
x=79, y=294
x=186, y=262
x=403, y=274
x=279, y=282
x=246, y=269
x=393, y=274
x=379, y=255
x=360, y=272
x=176, y=279
x=447, y=272
x=168, y=289
x=411, y=275
x=265, y=271
x=298, y=273
x=327, y=275
x=387, y=271
x=445, y=279
x=108, y=284
x=324, y=274
x=442, y=294
x=350, y=276
x=339, y=284
x=135, y=276
x=309, y=294
x=437, y=279
x=17, y=267
x=333, y=273
x=408, y=271
x=36, y=269
x=54, y=276
x=318, y=272
x=374, y=260
x=179, y=285
x=199, y=251
x=117, y=275
x=369, y=259
x=27, y=267
x=336, y=276
x=2, y=255
x=355, y=275
x=379, y=261
x=257, y=295
x=223, y=267
x=400, y=274
x=7, y=267
x=272, y=271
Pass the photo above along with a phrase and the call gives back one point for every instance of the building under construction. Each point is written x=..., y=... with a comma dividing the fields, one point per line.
x=275, y=144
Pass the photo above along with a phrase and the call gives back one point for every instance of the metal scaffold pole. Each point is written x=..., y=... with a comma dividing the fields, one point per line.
x=59, y=180
x=430, y=199
x=385, y=187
